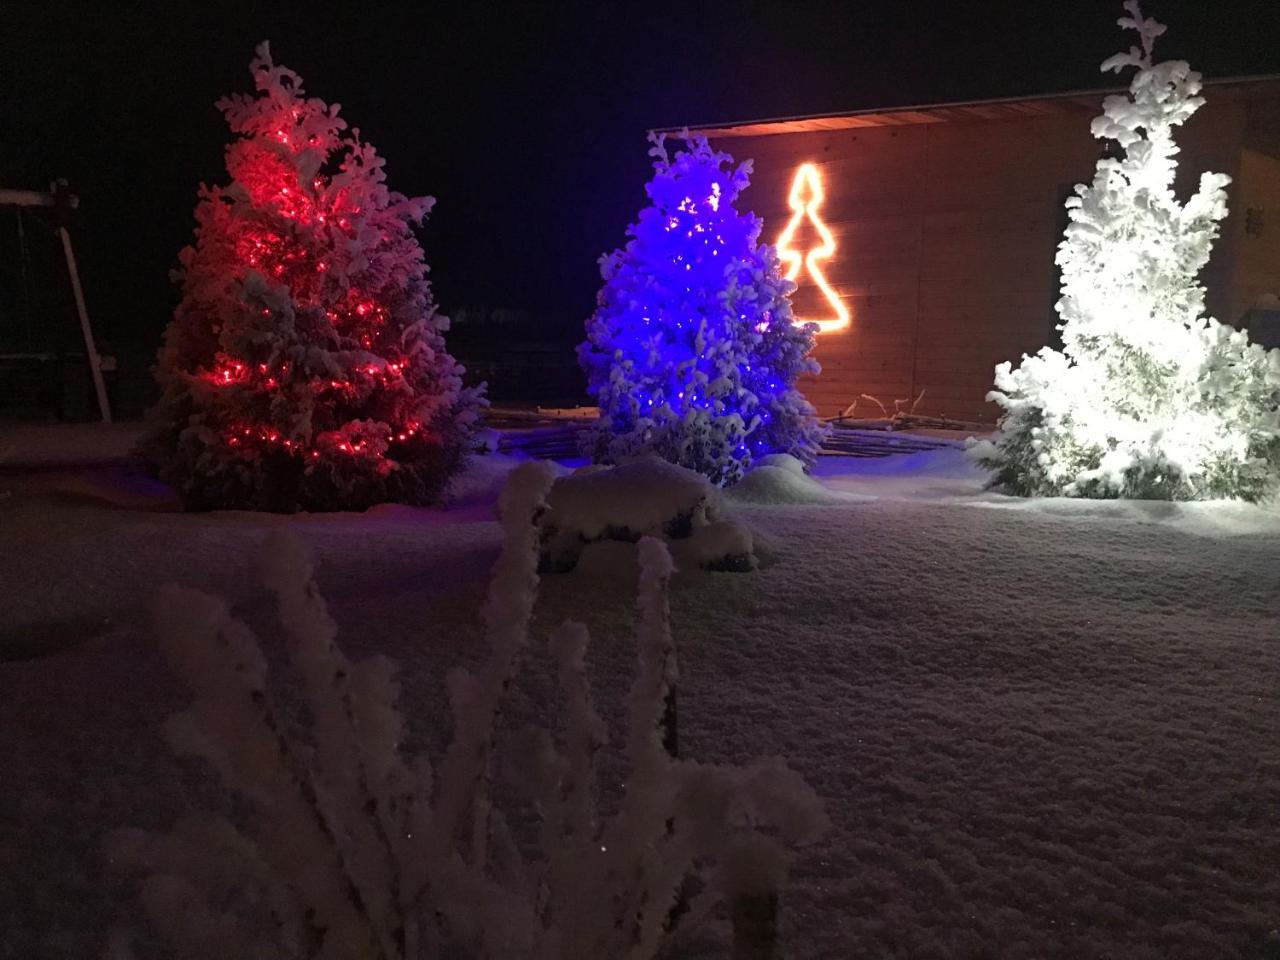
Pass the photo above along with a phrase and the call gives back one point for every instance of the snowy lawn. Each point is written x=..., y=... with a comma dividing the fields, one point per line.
x=1040, y=729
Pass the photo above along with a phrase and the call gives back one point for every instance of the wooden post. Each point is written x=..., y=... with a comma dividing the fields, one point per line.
x=671, y=744
x=32, y=198
x=91, y=350
x=755, y=927
x=670, y=728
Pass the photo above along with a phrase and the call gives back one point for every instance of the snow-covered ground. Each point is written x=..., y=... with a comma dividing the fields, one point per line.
x=24, y=445
x=1041, y=729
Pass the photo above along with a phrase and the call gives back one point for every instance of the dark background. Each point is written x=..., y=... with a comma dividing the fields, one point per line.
x=525, y=121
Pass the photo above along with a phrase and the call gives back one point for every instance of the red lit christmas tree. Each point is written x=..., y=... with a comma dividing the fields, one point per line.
x=305, y=367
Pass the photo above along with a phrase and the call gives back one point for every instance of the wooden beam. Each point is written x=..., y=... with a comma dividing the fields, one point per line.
x=57, y=198
x=91, y=350
x=34, y=198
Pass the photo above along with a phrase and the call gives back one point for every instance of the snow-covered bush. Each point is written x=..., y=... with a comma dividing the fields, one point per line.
x=305, y=367
x=1147, y=398
x=646, y=496
x=780, y=478
x=352, y=851
x=692, y=352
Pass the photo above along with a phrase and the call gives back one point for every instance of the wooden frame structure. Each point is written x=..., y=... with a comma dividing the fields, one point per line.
x=60, y=198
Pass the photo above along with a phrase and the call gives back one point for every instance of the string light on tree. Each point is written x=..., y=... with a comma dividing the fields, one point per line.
x=805, y=198
x=1148, y=398
x=692, y=353
x=305, y=367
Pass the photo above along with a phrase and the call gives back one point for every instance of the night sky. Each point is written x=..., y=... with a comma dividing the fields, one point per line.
x=526, y=121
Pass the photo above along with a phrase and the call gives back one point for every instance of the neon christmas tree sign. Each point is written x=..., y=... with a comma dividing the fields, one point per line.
x=805, y=199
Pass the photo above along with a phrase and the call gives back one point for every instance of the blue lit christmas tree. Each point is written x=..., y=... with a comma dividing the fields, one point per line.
x=692, y=352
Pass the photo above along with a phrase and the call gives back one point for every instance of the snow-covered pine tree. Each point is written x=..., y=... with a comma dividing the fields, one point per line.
x=692, y=352
x=1147, y=397
x=305, y=367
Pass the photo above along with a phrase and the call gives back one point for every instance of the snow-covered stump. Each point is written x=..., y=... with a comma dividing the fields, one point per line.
x=644, y=497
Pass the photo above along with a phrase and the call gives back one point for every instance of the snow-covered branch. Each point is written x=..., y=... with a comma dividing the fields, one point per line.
x=354, y=851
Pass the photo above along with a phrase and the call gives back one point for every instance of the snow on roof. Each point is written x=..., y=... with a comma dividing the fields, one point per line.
x=1262, y=86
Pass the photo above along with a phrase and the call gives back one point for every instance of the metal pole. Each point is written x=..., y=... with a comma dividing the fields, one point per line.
x=95, y=362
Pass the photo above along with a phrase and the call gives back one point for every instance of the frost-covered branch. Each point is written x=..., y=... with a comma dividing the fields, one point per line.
x=354, y=851
x=234, y=724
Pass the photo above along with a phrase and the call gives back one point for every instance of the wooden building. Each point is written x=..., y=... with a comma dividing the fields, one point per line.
x=944, y=221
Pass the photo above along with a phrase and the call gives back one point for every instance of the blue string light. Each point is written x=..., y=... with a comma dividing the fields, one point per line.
x=699, y=369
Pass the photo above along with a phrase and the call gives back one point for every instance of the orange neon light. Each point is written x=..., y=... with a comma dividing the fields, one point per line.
x=807, y=179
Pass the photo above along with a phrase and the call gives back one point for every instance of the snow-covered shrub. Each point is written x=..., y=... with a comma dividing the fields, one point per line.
x=306, y=367
x=780, y=478
x=692, y=352
x=1147, y=398
x=646, y=496
x=354, y=851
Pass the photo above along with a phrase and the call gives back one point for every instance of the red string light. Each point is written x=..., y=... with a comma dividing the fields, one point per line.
x=285, y=253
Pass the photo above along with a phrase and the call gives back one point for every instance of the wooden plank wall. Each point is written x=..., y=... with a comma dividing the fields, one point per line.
x=946, y=234
x=1257, y=249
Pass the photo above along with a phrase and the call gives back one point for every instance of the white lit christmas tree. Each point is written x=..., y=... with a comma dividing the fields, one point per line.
x=1147, y=398
x=692, y=352
x=305, y=367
